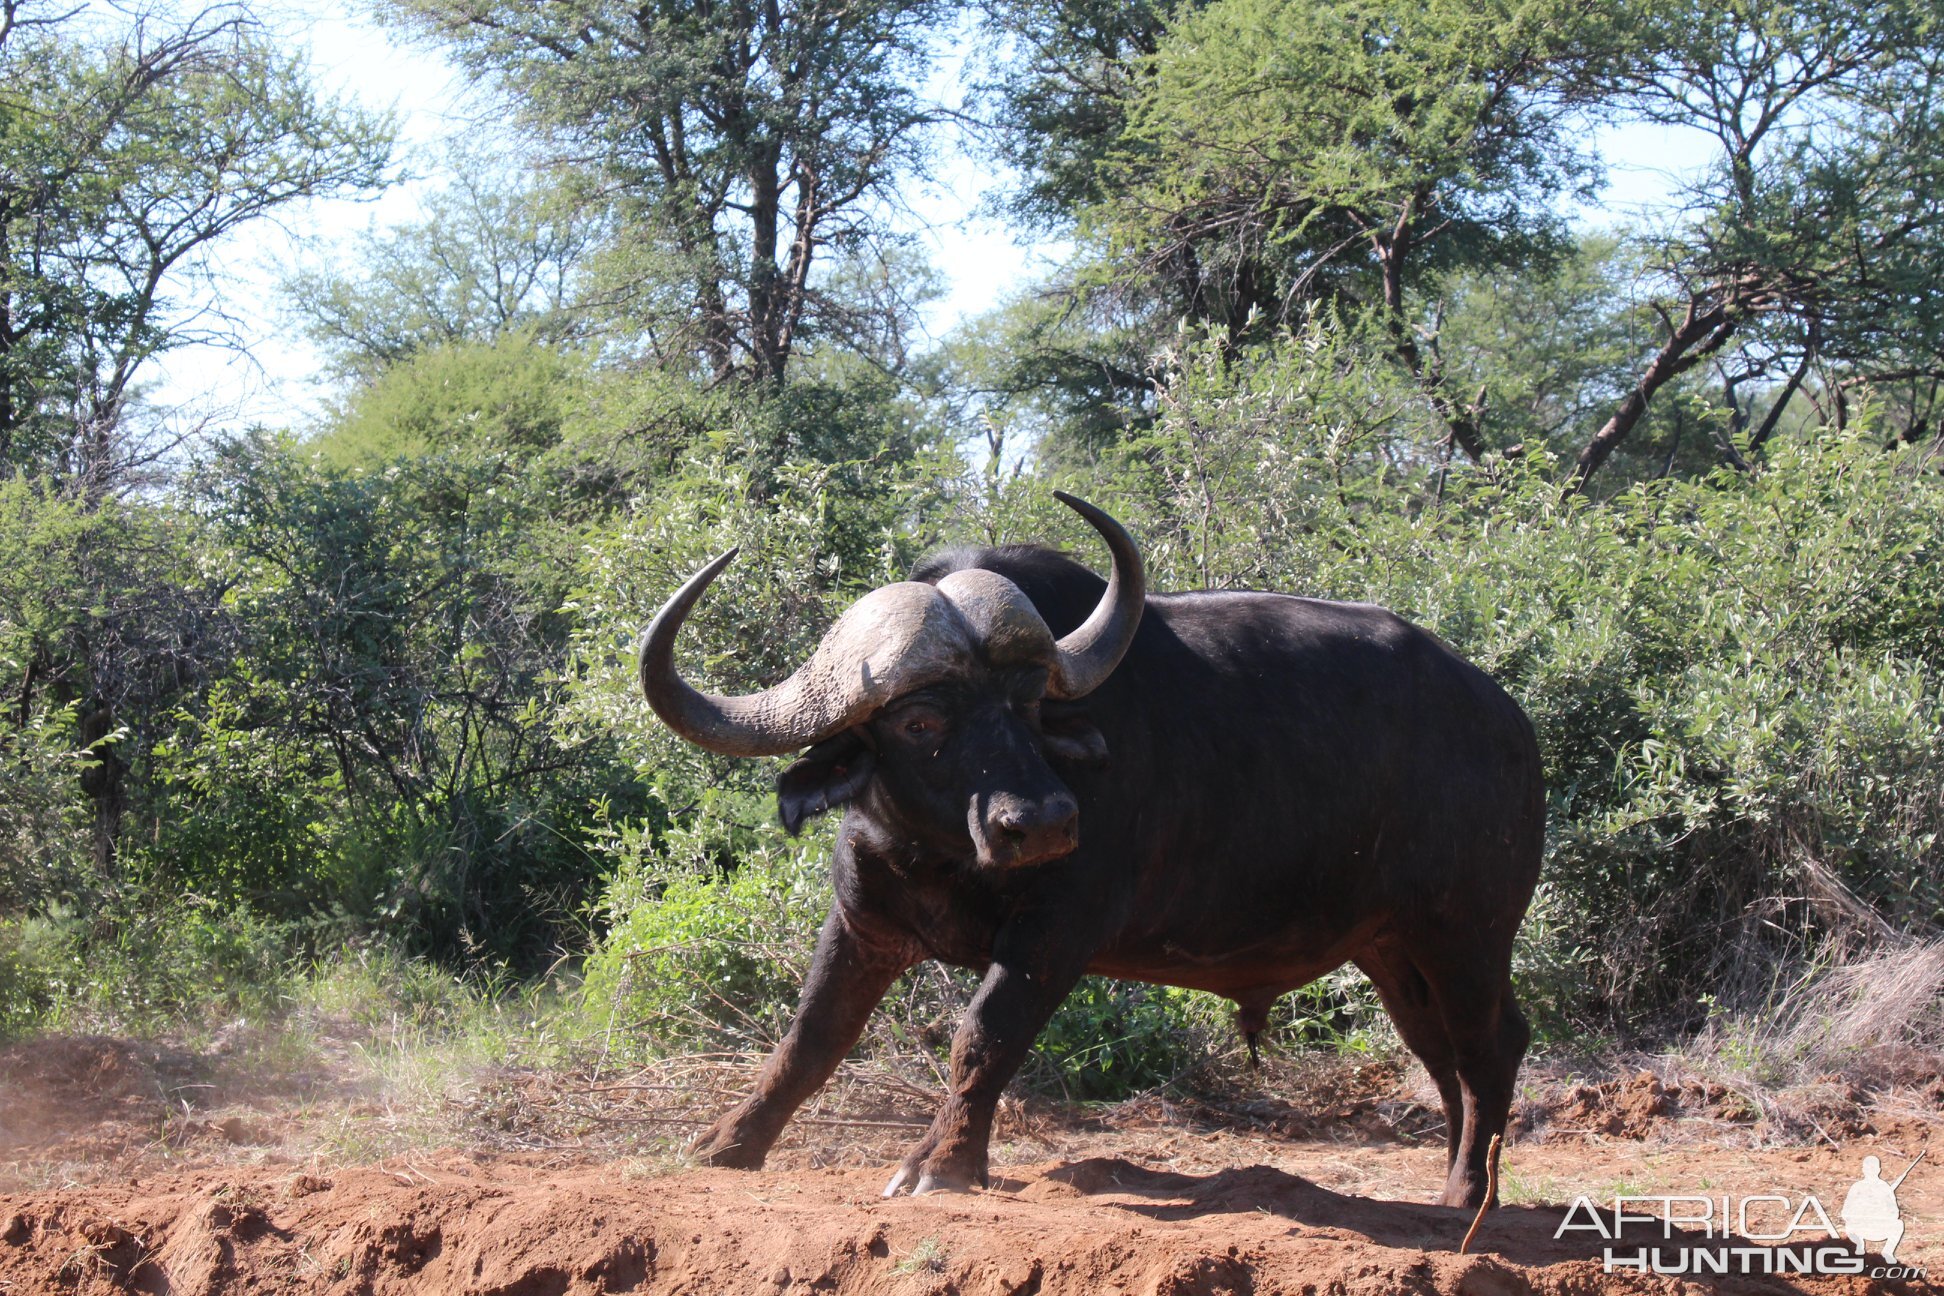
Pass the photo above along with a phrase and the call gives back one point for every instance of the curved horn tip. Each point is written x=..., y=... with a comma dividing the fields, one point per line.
x=1089, y=654
x=1075, y=503
x=1109, y=528
x=1098, y=517
x=704, y=576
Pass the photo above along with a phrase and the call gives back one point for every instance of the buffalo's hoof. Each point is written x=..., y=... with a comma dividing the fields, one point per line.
x=918, y=1181
x=931, y=1183
x=723, y=1153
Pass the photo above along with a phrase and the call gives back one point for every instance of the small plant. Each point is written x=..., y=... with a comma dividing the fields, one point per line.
x=928, y=1256
x=1518, y=1190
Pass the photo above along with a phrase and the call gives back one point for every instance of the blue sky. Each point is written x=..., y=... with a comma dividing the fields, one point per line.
x=275, y=377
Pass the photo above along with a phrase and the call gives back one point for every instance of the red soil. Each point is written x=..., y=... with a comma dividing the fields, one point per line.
x=1156, y=1203
x=457, y=1225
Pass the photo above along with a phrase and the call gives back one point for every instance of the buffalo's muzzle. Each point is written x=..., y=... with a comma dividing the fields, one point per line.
x=1016, y=830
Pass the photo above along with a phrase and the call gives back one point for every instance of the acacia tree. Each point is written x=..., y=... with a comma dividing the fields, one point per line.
x=1815, y=237
x=109, y=611
x=399, y=670
x=746, y=146
x=1055, y=85
x=1283, y=155
x=127, y=148
x=497, y=251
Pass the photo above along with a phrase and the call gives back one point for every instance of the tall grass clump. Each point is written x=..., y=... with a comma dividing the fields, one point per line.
x=1873, y=1014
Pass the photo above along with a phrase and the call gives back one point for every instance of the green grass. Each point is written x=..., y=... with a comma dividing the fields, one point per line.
x=929, y=1256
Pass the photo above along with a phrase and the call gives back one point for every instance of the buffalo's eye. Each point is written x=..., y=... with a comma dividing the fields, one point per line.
x=920, y=727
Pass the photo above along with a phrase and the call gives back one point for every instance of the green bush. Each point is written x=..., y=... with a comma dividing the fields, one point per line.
x=1737, y=681
x=698, y=956
x=37, y=959
x=43, y=832
x=512, y=396
x=141, y=961
x=709, y=930
x=1110, y=1039
x=163, y=958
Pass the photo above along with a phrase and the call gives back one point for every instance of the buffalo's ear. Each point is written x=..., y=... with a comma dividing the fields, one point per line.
x=824, y=777
x=1070, y=736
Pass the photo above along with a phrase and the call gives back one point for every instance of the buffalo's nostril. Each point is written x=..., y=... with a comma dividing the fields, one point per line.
x=1024, y=831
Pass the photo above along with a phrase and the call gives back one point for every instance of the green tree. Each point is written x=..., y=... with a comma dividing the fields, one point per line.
x=495, y=253
x=128, y=146
x=108, y=615
x=1061, y=372
x=1283, y=155
x=513, y=396
x=1056, y=83
x=1550, y=350
x=747, y=147
x=400, y=668
x=1815, y=236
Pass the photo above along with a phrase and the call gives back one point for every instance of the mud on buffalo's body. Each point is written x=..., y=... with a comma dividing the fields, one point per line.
x=1233, y=792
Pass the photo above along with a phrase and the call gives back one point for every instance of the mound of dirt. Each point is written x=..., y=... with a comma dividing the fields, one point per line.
x=1831, y=1110
x=522, y=1227
x=126, y=1166
x=83, y=1102
x=97, y=1068
x=1640, y=1106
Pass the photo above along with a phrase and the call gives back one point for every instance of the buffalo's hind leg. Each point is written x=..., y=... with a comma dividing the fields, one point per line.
x=848, y=976
x=1413, y=1011
x=1488, y=1037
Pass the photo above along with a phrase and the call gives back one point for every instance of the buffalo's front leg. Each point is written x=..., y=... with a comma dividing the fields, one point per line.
x=849, y=974
x=1006, y=1015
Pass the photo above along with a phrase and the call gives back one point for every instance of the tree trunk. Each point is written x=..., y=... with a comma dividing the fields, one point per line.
x=1461, y=422
x=1700, y=334
x=104, y=784
x=1789, y=389
x=765, y=219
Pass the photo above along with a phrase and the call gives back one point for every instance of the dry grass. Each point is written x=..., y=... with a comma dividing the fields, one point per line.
x=1862, y=1031
x=653, y=1111
x=1888, y=1000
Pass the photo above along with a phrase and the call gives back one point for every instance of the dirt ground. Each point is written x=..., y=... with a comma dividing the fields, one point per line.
x=125, y=1167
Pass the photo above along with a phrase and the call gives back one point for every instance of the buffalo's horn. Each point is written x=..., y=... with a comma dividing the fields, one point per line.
x=1088, y=656
x=892, y=640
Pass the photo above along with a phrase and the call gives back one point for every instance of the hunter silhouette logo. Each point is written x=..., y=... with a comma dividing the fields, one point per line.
x=1870, y=1211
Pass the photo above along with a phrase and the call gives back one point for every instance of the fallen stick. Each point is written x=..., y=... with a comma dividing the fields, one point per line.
x=1491, y=1194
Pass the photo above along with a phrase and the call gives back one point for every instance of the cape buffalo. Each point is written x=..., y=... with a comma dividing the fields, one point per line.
x=1233, y=792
